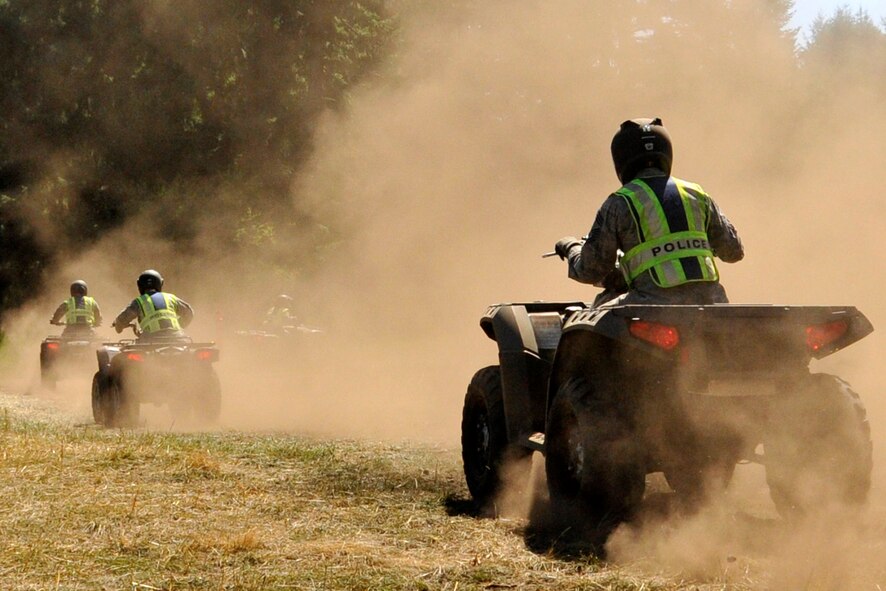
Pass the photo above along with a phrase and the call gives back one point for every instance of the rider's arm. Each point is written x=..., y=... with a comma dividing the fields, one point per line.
x=59, y=313
x=127, y=315
x=595, y=261
x=185, y=312
x=723, y=238
x=98, y=315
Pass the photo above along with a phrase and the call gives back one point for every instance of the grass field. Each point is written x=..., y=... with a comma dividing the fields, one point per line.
x=89, y=508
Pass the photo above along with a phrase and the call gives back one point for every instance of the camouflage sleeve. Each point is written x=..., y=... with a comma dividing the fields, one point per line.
x=126, y=315
x=184, y=310
x=725, y=243
x=595, y=262
x=59, y=312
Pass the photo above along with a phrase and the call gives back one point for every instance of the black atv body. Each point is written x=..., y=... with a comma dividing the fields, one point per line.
x=66, y=354
x=612, y=394
x=173, y=371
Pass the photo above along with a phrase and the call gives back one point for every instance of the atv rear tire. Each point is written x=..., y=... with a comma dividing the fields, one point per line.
x=48, y=377
x=122, y=407
x=818, y=450
x=100, y=399
x=595, y=470
x=209, y=401
x=484, y=438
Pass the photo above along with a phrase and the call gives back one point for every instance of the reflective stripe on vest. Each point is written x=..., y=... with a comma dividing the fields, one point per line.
x=157, y=312
x=80, y=311
x=671, y=257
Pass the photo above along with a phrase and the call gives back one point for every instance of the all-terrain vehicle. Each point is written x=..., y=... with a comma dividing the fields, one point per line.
x=612, y=394
x=277, y=348
x=163, y=370
x=286, y=334
x=66, y=353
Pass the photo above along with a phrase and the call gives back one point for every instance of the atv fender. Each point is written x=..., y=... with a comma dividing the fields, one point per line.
x=104, y=359
x=527, y=335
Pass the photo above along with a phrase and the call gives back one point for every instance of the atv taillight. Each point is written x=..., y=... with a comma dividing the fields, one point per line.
x=52, y=346
x=135, y=356
x=819, y=336
x=661, y=335
x=204, y=355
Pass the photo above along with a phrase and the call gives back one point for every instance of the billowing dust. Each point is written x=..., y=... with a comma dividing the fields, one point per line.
x=484, y=141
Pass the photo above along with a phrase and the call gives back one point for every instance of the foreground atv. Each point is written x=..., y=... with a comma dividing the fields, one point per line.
x=173, y=371
x=612, y=394
x=60, y=354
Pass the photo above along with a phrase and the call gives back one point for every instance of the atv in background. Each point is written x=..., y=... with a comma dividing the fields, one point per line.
x=275, y=337
x=288, y=348
x=612, y=394
x=174, y=371
x=65, y=354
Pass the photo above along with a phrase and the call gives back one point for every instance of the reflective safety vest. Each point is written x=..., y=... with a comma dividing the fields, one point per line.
x=671, y=228
x=80, y=311
x=157, y=311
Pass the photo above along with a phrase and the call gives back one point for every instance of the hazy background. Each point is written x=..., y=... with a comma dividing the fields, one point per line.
x=480, y=139
x=476, y=136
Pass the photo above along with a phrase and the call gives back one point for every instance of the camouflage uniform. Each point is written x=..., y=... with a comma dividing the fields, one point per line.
x=614, y=229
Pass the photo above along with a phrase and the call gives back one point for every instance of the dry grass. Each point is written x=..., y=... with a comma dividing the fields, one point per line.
x=88, y=508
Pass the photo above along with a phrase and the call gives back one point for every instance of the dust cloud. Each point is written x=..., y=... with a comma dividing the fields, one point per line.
x=484, y=140
x=492, y=141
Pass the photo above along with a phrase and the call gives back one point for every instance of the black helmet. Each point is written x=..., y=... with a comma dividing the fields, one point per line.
x=641, y=143
x=149, y=280
x=79, y=288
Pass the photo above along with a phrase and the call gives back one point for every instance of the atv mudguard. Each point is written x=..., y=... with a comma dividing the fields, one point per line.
x=527, y=335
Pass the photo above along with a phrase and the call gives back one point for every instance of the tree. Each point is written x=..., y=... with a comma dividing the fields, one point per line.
x=113, y=107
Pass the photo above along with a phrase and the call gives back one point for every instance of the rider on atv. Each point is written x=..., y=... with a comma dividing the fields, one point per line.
x=159, y=314
x=81, y=312
x=662, y=232
x=279, y=319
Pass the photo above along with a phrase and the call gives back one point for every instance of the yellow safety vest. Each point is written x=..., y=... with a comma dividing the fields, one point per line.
x=157, y=311
x=672, y=230
x=80, y=310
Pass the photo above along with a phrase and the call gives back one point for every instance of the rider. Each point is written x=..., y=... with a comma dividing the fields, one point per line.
x=654, y=240
x=159, y=314
x=279, y=317
x=81, y=312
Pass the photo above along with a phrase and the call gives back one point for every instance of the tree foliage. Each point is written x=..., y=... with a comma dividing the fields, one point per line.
x=111, y=107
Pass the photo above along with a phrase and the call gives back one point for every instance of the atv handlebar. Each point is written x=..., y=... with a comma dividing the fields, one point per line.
x=131, y=325
x=553, y=253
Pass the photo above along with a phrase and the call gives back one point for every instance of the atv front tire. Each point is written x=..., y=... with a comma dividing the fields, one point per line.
x=484, y=439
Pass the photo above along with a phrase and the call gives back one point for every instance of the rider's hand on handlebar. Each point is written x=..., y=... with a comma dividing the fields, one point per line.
x=565, y=245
